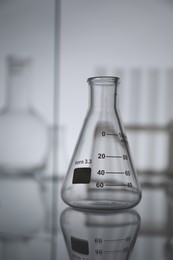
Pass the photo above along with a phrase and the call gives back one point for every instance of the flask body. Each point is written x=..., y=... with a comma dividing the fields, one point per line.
x=23, y=142
x=101, y=174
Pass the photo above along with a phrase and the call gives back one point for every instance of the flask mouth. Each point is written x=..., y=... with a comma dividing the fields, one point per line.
x=104, y=80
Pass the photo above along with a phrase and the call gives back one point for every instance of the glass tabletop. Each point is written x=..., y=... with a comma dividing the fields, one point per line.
x=36, y=224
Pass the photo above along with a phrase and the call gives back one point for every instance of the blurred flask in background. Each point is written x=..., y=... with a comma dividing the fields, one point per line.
x=24, y=137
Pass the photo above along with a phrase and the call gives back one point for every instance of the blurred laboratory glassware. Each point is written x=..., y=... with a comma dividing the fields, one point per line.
x=21, y=206
x=22, y=219
x=101, y=174
x=24, y=137
x=92, y=235
x=57, y=160
x=62, y=153
x=13, y=248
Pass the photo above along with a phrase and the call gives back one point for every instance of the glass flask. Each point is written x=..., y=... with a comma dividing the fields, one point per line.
x=24, y=137
x=101, y=174
x=91, y=235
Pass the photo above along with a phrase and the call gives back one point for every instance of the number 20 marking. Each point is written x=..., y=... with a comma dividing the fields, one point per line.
x=101, y=155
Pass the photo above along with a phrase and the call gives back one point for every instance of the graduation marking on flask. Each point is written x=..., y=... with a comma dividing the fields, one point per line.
x=122, y=136
x=112, y=246
x=103, y=156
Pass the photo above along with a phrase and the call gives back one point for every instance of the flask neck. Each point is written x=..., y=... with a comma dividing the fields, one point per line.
x=18, y=81
x=103, y=93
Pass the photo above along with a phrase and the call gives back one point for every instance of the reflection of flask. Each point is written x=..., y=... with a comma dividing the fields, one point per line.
x=91, y=235
x=23, y=134
x=101, y=173
x=21, y=206
x=21, y=216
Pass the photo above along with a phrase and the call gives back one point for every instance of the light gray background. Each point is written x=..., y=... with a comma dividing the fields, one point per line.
x=131, y=39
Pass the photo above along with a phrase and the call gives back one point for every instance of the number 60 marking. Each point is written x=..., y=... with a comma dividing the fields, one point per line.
x=99, y=184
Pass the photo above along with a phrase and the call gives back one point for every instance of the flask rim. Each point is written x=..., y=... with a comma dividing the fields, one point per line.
x=104, y=80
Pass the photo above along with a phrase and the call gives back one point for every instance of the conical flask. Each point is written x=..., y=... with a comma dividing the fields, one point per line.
x=101, y=174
